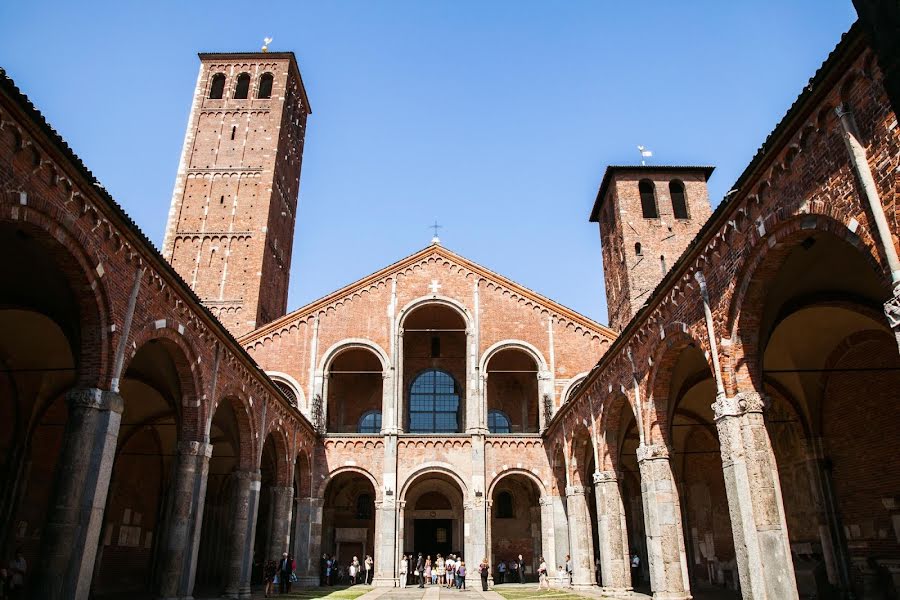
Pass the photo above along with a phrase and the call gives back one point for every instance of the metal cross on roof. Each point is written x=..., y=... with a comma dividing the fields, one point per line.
x=435, y=239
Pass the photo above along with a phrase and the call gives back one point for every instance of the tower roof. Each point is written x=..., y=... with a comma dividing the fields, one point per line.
x=613, y=170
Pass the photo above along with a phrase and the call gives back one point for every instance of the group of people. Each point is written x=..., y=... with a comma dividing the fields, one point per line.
x=12, y=578
x=449, y=572
x=331, y=571
x=512, y=571
x=282, y=574
x=563, y=574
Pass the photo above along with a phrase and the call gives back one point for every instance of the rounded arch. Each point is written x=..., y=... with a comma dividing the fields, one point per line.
x=183, y=354
x=303, y=473
x=574, y=382
x=513, y=344
x=658, y=410
x=542, y=489
x=283, y=378
x=616, y=411
x=240, y=406
x=581, y=455
x=747, y=304
x=445, y=301
x=338, y=348
x=432, y=468
x=283, y=460
x=323, y=484
x=49, y=240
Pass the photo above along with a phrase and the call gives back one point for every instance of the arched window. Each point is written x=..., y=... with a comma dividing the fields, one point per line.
x=648, y=199
x=364, y=507
x=265, y=86
x=637, y=248
x=217, y=88
x=434, y=403
x=243, y=86
x=498, y=422
x=505, y=506
x=679, y=200
x=662, y=264
x=370, y=422
x=287, y=390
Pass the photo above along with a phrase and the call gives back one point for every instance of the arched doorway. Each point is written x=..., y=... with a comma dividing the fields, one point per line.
x=348, y=518
x=516, y=527
x=155, y=383
x=229, y=434
x=354, y=392
x=434, y=369
x=433, y=516
x=276, y=494
x=831, y=364
x=512, y=392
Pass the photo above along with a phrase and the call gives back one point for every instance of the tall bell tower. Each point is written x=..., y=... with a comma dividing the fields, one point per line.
x=648, y=216
x=231, y=223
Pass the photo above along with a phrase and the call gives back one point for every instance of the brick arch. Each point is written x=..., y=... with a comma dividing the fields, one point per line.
x=450, y=303
x=77, y=264
x=283, y=463
x=748, y=300
x=303, y=473
x=246, y=421
x=581, y=452
x=610, y=425
x=657, y=412
x=185, y=358
x=541, y=488
x=433, y=468
x=340, y=347
x=559, y=473
x=323, y=485
x=573, y=383
x=513, y=344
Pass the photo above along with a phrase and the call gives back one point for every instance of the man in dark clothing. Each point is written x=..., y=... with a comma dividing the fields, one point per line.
x=420, y=570
x=521, y=562
x=284, y=573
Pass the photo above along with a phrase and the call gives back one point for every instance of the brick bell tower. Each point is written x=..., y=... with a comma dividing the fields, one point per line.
x=231, y=222
x=648, y=215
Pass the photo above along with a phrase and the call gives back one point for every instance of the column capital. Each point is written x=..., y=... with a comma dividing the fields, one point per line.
x=575, y=490
x=190, y=448
x=545, y=500
x=647, y=452
x=742, y=403
x=95, y=398
x=247, y=475
x=605, y=476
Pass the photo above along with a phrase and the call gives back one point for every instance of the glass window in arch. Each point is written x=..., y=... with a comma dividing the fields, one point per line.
x=498, y=422
x=370, y=422
x=434, y=403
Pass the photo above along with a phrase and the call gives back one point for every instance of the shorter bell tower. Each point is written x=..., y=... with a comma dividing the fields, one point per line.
x=648, y=215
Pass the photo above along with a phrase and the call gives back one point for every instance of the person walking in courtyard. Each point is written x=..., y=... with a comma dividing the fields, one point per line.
x=354, y=570
x=368, y=567
x=501, y=572
x=569, y=569
x=543, y=577
x=269, y=571
x=404, y=569
x=484, y=570
x=428, y=570
x=521, y=562
x=293, y=578
x=448, y=570
x=512, y=569
x=18, y=568
x=420, y=570
x=284, y=573
x=461, y=576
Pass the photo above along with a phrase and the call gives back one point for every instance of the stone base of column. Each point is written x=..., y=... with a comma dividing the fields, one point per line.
x=671, y=596
x=614, y=592
x=585, y=586
x=385, y=582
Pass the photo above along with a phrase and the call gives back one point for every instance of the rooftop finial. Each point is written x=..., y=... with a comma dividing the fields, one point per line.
x=645, y=153
x=266, y=42
x=435, y=239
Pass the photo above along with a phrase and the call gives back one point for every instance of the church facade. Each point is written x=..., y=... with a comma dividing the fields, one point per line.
x=166, y=425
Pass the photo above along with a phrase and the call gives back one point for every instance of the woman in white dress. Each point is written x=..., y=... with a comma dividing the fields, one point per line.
x=439, y=570
x=404, y=569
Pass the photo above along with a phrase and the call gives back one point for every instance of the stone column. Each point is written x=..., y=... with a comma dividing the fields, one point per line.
x=182, y=535
x=761, y=543
x=548, y=542
x=279, y=540
x=662, y=521
x=311, y=515
x=242, y=513
x=474, y=546
x=615, y=568
x=560, y=524
x=580, y=544
x=385, y=574
x=300, y=537
x=75, y=516
x=252, y=513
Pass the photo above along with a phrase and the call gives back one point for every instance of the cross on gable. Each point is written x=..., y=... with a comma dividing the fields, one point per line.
x=435, y=286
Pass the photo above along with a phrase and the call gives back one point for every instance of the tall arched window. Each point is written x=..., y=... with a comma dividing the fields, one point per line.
x=498, y=422
x=217, y=87
x=265, y=86
x=370, y=422
x=243, y=86
x=434, y=403
x=679, y=200
x=637, y=248
x=648, y=199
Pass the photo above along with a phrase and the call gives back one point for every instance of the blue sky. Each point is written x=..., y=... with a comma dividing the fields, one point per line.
x=495, y=118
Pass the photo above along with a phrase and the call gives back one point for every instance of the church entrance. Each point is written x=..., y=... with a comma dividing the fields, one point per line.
x=433, y=537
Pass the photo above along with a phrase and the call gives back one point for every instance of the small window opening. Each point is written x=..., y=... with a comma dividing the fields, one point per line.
x=679, y=201
x=637, y=249
x=233, y=130
x=265, y=86
x=243, y=86
x=217, y=88
x=435, y=347
x=222, y=200
x=648, y=199
x=662, y=264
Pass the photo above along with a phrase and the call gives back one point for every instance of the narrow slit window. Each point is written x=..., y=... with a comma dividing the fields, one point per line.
x=233, y=131
x=648, y=199
x=679, y=200
x=217, y=88
x=265, y=86
x=637, y=249
x=662, y=264
x=243, y=86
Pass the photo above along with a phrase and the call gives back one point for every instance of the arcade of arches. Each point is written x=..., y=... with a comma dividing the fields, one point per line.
x=736, y=436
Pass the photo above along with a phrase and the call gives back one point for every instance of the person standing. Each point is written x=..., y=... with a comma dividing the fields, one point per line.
x=354, y=570
x=323, y=563
x=543, y=577
x=635, y=569
x=269, y=571
x=513, y=570
x=404, y=569
x=428, y=569
x=484, y=570
x=284, y=573
x=461, y=576
x=569, y=569
x=18, y=568
x=448, y=570
x=329, y=570
x=368, y=566
x=501, y=572
x=521, y=562
x=420, y=570
x=293, y=578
